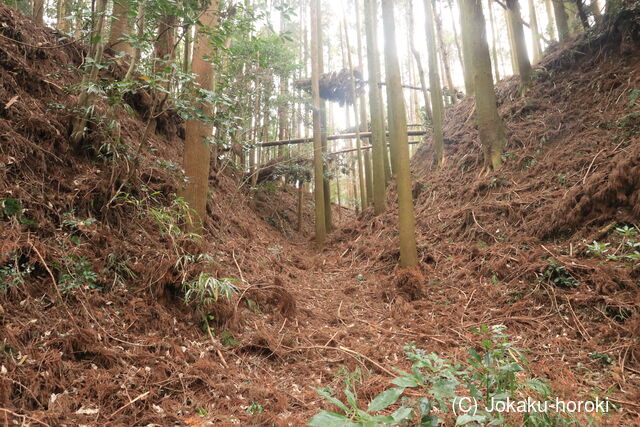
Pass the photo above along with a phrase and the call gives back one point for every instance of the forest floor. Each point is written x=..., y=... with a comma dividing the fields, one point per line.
x=98, y=333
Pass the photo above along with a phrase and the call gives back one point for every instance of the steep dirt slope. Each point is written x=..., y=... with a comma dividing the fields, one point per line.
x=497, y=248
x=105, y=230
x=122, y=348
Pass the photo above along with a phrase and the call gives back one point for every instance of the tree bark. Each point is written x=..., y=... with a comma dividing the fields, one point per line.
x=551, y=25
x=137, y=52
x=165, y=40
x=437, y=106
x=361, y=175
x=399, y=141
x=79, y=123
x=318, y=160
x=492, y=134
x=120, y=28
x=519, y=45
x=378, y=140
x=535, y=33
x=197, y=154
x=444, y=56
x=562, y=20
x=465, y=33
x=62, y=11
x=494, y=42
x=38, y=11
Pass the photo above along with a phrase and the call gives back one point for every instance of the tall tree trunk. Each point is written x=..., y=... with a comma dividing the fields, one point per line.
x=63, y=8
x=368, y=171
x=120, y=28
x=512, y=45
x=137, y=52
x=444, y=56
x=197, y=154
x=535, y=33
x=492, y=134
x=437, y=106
x=361, y=175
x=416, y=55
x=378, y=140
x=465, y=33
x=562, y=21
x=494, y=42
x=283, y=112
x=520, y=52
x=399, y=141
x=300, y=204
x=455, y=33
x=352, y=163
x=368, y=178
x=165, y=40
x=96, y=51
x=318, y=158
x=186, y=56
x=323, y=134
x=551, y=25
x=582, y=14
x=38, y=11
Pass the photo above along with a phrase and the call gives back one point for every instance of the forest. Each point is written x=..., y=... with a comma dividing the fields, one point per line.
x=320, y=212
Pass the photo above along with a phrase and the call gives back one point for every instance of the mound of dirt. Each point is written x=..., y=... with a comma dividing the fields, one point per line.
x=93, y=325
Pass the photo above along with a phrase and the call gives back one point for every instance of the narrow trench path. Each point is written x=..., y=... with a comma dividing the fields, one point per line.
x=347, y=317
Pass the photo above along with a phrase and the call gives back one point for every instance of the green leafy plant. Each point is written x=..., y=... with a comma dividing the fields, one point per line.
x=558, y=275
x=13, y=273
x=495, y=371
x=11, y=207
x=76, y=272
x=207, y=289
x=597, y=248
x=255, y=408
x=627, y=250
x=74, y=223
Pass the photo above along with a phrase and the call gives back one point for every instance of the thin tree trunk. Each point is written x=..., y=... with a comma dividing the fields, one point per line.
x=300, y=204
x=85, y=99
x=562, y=21
x=38, y=11
x=455, y=33
x=444, y=57
x=492, y=134
x=318, y=159
x=520, y=52
x=378, y=140
x=368, y=171
x=399, y=142
x=494, y=41
x=352, y=163
x=361, y=176
x=62, y=11
x=323, y=117
x=465, y=33
x=140, y=33
x=197, y=153
x=120, y=28
x=164, y=46
x=582, y=14
x=437, y=106
x=186, y=57
x=551, y=25
x=535, y=33
x=367, y=176
x=416, y=55
x=512, y=46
